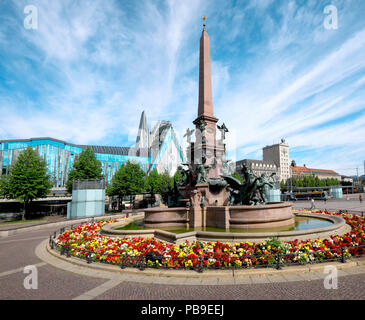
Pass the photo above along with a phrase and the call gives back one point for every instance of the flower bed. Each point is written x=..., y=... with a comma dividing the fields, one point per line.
x=85, y=242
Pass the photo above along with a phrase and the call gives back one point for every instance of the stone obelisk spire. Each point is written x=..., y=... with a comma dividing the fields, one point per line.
x=205, y=107
x=206, y=149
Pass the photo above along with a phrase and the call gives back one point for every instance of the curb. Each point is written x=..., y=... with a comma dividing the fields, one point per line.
x=6, y=233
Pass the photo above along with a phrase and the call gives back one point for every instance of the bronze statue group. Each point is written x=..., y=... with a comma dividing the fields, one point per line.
x=254, y=190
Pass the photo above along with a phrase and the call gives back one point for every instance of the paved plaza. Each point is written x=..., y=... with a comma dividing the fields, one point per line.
x=61, y=280
x=348, y=202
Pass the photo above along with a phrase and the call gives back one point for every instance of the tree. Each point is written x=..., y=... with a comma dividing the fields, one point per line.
x=283, y=186
x=129, y=180
x=85, y=167
x=153, y=182
x=177, y=176
x=28, y=179
x=166, y=181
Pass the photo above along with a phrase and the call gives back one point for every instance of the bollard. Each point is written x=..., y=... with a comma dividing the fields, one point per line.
x=343, y=258
x=200, y=269
x=123, y=265
x=68, y=253
x=88, y=259
x=142, y=265
x=278, y=263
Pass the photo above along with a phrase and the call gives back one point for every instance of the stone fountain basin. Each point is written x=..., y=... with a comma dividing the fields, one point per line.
x=166, y=217
x=339, y=227
x=271, y=215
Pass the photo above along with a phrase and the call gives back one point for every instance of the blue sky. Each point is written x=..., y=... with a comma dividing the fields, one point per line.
x=91, y=67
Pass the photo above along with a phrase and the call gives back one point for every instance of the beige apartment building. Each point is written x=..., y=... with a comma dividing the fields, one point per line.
x=275, y=160
x=278, y=154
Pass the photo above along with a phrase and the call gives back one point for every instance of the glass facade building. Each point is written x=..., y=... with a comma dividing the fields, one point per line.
x=60, y=155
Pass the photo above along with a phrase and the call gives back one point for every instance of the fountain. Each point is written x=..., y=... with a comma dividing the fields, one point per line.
x=208, y=196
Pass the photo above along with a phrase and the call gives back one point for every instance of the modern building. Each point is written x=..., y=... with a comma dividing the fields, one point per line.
x=275, y=160
x=160, y=144
x=156, y=149
x=301, y=172
x=259, y=167
x=279, y=155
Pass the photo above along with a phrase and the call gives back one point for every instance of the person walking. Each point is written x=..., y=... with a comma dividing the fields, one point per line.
x=325, y=198
x=360, y=198
x=312, y=204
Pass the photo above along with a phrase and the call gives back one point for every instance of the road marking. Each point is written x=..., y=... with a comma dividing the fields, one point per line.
x=6, y=273
x=24, y=239
x=93, y=293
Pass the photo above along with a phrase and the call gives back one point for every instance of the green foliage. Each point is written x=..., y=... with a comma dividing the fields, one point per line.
x=153, y=182
x=177, y=176
x=237, y=176
x=4, y=183
x=130, y=179
x=85, y=167
x=283, y=187
x=166, y=181
x=275, y=244
x=310, y=181
x=28, y=178
x=157, y=183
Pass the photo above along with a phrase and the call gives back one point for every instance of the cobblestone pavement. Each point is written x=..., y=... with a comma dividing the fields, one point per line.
x=349, y=287
x=18, y=251
x=352, y=204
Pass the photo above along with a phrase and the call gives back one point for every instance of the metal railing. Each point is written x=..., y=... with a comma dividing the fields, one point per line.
x=199, y=263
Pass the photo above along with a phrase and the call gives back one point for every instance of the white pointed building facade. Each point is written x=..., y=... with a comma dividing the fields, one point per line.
x=158, y=148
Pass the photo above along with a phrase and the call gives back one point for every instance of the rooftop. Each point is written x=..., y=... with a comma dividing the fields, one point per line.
x=299, y=170
x=250, y=161
x=96, y=149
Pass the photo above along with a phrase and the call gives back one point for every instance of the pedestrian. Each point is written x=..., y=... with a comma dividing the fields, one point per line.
x=312, y=204
x=360, y=198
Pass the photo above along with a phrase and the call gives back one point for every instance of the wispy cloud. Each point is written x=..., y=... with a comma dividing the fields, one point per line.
x=92, y=66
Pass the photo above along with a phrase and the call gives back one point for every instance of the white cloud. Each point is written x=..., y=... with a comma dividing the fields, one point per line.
x=99, y=64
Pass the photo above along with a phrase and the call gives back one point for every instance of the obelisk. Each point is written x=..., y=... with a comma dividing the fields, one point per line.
x=206, y=149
